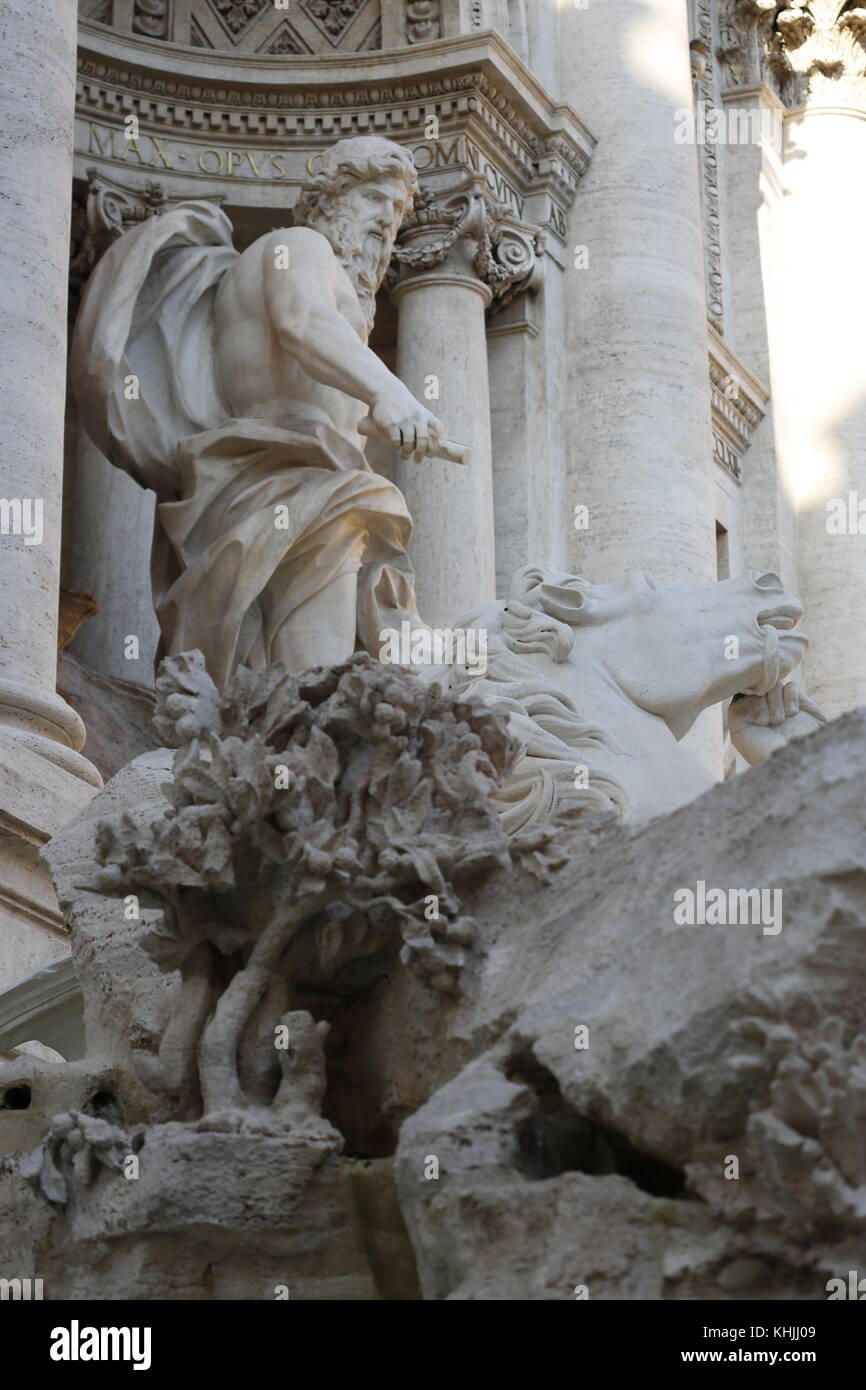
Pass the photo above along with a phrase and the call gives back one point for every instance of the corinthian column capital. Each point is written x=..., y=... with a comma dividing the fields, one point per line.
x=462, y=233
x=806, y=49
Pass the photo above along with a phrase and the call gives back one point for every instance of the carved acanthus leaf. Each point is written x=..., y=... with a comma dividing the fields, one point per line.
x=506, y=252
x=805, y=49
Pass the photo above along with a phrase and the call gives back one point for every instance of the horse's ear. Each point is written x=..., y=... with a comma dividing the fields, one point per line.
x=572, y=603
x=526, y=582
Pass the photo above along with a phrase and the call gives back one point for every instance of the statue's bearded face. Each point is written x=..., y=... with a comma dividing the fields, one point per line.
x=362, y=226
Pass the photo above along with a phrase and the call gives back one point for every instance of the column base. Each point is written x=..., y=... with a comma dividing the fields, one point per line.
x=43, y=723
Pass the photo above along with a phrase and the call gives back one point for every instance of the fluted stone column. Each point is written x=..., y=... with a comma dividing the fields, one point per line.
x=441, y=346
x=638, y=412
x=37, y=92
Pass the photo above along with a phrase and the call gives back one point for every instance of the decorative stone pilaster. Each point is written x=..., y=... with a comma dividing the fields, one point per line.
x=457, y=257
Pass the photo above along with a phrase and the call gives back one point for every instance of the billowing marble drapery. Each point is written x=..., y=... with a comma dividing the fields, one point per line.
x=243, y=503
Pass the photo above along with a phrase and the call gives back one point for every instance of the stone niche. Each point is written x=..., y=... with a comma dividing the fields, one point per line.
x=244, y=129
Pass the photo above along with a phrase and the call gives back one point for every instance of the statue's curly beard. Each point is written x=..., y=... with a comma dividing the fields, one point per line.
x=363, y=254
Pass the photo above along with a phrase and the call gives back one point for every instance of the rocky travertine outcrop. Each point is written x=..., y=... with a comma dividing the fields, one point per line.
x=609, y=1100
x=656, y=1109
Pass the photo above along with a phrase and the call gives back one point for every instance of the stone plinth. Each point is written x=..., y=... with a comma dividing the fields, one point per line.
x=217, y=1216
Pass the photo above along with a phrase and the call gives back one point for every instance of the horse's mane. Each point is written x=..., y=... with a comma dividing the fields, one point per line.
x=557, y=737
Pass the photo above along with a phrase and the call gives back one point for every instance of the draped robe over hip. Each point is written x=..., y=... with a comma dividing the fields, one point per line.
x=254, y=516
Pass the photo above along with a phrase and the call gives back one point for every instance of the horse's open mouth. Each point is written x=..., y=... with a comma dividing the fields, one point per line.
x=782, y=618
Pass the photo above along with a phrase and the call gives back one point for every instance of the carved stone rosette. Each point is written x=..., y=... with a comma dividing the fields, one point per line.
x=150, y=17
x=423, y=20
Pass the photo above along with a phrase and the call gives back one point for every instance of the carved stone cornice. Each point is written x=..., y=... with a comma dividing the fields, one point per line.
x=251, y=126
x=805, y=50
x=738, y=403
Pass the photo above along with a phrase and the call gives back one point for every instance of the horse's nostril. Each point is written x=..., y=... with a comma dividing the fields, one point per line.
x=767, y=580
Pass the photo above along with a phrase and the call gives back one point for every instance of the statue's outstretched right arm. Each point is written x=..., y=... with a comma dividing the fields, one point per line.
x=300, y=294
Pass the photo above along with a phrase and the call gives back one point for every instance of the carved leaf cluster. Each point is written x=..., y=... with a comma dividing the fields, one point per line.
x=72, y=1153
x=355, y=790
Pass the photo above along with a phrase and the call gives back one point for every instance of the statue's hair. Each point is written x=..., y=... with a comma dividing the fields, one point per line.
x=341, y=167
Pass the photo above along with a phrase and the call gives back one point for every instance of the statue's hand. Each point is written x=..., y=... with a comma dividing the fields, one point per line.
x=403, y=420
x=759, y=724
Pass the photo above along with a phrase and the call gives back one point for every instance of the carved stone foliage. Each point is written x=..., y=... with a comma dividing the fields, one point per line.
x=236, y=15
x=823, y=43
x=805, y=1164
x=306, y=26
x=745, y=32
x=807, y=48
x=259, y=26
x=71, y=1155
x=334, y=16
x=317, y=826
x=285, y=42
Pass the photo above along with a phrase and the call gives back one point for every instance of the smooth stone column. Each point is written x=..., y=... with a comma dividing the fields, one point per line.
x=820, y=372
x=757, y=286
x=639, y=442
x=441, y=333
x=37, y=96
x=639, y=424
